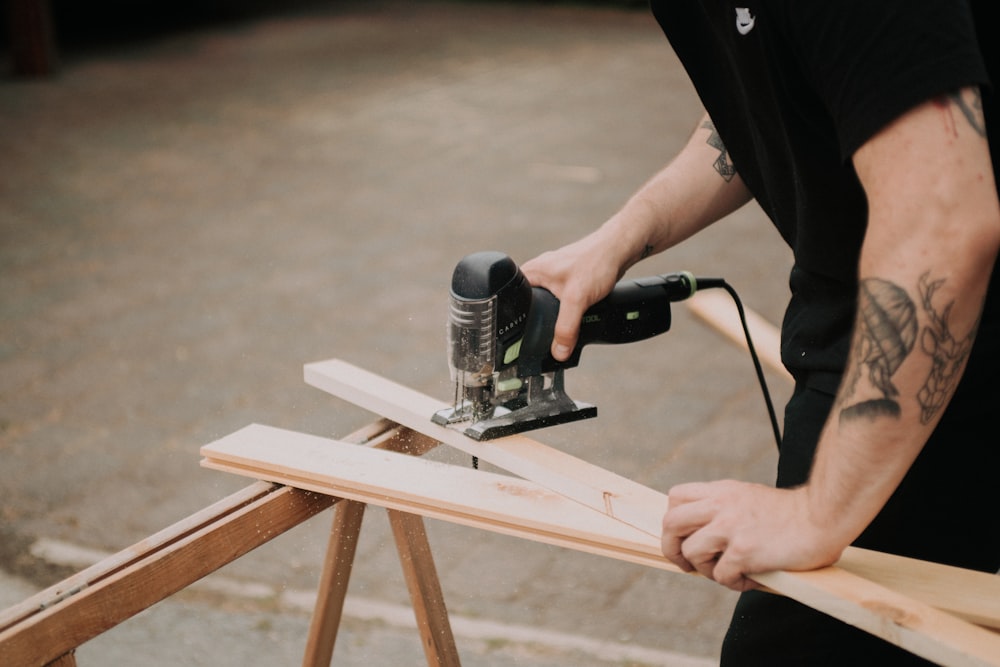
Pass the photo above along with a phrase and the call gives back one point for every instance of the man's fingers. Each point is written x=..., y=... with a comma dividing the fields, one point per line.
x=571, y=310
x=690, y=492
x=670, y=545
x=703, y=550
x=675, y=531
x=688, y=538
x=712, y=556
x=681, y=521
x=730, y=574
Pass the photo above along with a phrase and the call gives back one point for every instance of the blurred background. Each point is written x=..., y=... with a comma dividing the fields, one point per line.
x=200, y=197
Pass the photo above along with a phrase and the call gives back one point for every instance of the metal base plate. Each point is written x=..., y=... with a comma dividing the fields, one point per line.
x=513, y=422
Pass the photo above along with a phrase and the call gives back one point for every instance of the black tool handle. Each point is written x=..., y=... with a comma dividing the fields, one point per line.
x=634, y=310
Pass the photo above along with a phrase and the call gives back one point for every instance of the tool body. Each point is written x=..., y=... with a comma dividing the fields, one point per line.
x=500, y=332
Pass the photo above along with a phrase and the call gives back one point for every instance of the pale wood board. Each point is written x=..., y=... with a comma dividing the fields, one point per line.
x=491, y=501
x=969, y=594
x=912, y=625
x=528, y=459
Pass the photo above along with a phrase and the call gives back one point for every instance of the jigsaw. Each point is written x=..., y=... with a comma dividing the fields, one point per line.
x=500, y=331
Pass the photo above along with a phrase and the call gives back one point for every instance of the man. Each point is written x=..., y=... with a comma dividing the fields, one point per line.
x=861, y=129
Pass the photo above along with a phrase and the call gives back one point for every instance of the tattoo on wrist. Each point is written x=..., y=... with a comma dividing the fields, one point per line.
x=970, y=103
x=885, y=333
x=647, y=251
x=723, y=165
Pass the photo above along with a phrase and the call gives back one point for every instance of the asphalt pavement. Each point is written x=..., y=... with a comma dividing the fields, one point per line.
x=188, y=218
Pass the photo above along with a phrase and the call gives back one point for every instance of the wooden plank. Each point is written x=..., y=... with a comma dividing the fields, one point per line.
x=583, y=482
x=333, y=583
x=425, y=589
x=903, y=621
x=527, y=459
x=476, y=498
x=121, y=592
x=968, y=594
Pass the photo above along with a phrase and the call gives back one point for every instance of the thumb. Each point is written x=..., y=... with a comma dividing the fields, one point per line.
x=567, y=330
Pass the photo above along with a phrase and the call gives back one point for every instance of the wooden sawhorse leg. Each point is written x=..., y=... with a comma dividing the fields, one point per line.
x=425, y=589
x=414, y=555
x=421, y=580
x=333, y=583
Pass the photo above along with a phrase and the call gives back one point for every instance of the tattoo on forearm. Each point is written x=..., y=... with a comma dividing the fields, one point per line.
x=647, y=250
x=886, y=332
x=722, y=163
x=970, y=103
x=947, y=354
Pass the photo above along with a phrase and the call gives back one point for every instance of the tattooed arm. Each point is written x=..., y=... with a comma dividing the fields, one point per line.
x=933, y=236
x=697, y=188
x=934, y=225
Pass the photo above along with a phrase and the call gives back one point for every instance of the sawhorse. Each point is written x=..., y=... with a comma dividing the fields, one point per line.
x=46, y=629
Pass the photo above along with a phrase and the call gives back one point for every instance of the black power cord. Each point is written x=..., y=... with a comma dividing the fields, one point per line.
x=709, y=283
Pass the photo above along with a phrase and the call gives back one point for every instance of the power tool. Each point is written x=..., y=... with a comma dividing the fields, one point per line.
x=500, y=331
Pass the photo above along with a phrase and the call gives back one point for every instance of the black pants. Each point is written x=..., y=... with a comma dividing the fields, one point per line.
x=945, y=510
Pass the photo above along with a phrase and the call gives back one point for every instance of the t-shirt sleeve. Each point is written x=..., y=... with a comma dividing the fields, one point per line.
x=870, y=61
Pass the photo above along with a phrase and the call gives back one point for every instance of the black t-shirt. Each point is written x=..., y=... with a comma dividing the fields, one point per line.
x=794, y=87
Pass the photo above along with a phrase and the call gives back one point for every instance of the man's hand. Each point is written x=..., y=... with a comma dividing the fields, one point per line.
x=579, y=275
x=684, y=197
x=729, y=530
